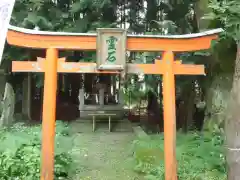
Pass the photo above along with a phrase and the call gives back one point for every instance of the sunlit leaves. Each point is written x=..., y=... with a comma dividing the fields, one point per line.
x=167, y=26
x=227, y=12
x=36, y=4
x=82, y=5
x=78, y=6
x=35, y=20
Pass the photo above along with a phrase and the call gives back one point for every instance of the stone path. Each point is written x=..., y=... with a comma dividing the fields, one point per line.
x=104, y=155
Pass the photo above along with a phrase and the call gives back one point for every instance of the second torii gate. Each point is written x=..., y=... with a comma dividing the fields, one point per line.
x=111, y=59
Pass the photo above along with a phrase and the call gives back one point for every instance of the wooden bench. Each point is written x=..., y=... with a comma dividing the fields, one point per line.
x=101, y=114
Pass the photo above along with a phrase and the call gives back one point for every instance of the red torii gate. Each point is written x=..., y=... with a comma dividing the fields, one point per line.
x=52, y=42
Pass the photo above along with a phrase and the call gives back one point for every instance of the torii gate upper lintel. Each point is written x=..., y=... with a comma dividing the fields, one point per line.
x=108, y=63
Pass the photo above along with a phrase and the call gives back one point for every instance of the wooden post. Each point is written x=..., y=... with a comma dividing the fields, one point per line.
x=81, y=99
x=101, y=96
x=49, y=114
x=169, y=117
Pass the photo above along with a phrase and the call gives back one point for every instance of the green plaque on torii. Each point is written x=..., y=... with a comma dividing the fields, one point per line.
x=111, y=49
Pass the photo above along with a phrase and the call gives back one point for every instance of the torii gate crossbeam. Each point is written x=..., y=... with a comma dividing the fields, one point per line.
x=167, y=67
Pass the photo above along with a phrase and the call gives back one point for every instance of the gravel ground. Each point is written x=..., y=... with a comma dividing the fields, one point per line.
x=103, y=155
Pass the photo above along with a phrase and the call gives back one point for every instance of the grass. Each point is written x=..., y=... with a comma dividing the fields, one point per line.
x=200, y=157
x=21, y=148
x=78, y=156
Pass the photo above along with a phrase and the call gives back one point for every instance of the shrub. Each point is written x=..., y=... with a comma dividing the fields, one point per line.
x=21, y=149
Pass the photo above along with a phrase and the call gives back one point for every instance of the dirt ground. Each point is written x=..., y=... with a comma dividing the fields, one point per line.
x=103, y=155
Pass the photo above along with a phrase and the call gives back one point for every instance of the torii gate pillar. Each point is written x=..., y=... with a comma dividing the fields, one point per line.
x=169, y=114
x=49, y=114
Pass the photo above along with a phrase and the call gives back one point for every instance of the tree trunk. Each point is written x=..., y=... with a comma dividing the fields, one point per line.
x=232, y=126
x=201, y=8
x=8, y=105
x=189, y=98
x=26, y=100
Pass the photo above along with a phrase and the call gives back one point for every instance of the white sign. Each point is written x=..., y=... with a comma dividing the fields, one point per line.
x=6, y=8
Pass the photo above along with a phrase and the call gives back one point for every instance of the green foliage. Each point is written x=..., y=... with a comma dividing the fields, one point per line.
x=227, y=14
x=200, y=157
x=62, y=15
x=21, y=149
x=168, y=25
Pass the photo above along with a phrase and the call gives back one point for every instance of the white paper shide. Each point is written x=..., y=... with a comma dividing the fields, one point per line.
x=6, y=8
